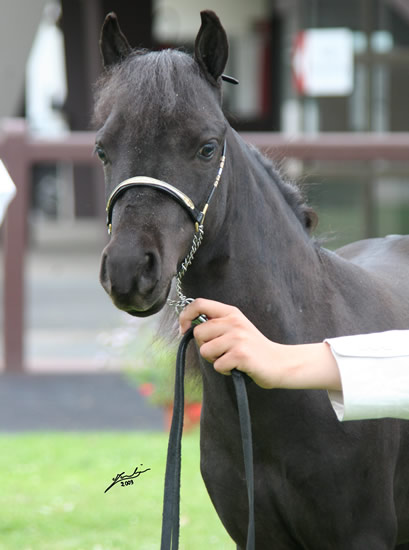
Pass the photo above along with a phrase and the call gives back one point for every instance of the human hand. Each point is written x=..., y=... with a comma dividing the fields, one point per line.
x=229, y=340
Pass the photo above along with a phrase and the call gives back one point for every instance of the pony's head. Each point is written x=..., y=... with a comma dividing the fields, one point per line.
x=160, y=123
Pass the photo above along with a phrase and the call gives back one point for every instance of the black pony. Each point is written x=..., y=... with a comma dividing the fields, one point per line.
x=319, y=483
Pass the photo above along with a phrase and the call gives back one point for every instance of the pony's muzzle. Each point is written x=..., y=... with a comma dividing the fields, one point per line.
x=130, y=279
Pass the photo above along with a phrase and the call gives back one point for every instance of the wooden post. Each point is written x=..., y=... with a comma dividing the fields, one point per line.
x=14, y=156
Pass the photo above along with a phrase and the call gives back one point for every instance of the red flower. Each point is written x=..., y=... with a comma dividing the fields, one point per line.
x=146, y=389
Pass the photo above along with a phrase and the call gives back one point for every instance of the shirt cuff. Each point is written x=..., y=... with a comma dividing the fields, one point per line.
x=374, y=371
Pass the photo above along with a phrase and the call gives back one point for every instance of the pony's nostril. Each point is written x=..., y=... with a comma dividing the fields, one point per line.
x=149, y=261
x=149, y=273
x=103, y=274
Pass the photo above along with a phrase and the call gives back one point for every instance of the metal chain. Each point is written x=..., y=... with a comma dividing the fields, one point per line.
x=182, y=300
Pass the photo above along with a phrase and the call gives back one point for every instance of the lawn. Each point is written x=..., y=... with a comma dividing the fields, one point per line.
x=52, y=493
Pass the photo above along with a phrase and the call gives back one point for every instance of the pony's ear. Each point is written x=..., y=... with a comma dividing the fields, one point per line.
x=113, y=44
x=211, y=46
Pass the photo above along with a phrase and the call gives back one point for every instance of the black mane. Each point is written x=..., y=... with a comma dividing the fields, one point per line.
x=290, y=191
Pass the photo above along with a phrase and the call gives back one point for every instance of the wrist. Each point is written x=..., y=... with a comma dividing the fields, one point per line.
x=311, y=366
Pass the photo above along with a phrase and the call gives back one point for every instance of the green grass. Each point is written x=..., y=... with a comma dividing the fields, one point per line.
x=52, y=493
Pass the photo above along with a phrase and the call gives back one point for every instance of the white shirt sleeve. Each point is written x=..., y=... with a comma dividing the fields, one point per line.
x=374, y=371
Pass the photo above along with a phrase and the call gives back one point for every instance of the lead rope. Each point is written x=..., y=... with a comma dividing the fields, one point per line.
x=247, y=445
x=171, y=497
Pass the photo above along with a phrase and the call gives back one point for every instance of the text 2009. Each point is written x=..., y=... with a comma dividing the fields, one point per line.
x=125, y=483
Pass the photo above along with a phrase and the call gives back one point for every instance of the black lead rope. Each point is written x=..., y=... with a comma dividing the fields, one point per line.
x=247, y=445
x=171, y=498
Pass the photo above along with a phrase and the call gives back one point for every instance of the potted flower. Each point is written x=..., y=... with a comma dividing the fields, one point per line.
x=149, y=363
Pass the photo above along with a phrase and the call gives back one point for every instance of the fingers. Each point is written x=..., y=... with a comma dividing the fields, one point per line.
x=223, y=342
x=223, y=339
x=230, y=341
x=210, y=308
x=214, y=338
x=225, y=364
x=214, y=348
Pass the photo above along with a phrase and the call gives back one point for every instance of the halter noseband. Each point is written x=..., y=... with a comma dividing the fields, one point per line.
x=146, y=181
x=195, y=213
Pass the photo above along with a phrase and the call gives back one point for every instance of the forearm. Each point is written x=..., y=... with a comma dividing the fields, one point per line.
x=366, y=375
x=229, y=340
x=310, y=366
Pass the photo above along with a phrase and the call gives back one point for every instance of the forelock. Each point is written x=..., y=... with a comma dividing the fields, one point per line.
x=155, y=84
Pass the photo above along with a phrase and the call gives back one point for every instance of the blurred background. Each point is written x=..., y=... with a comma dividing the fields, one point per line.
x=305, y=67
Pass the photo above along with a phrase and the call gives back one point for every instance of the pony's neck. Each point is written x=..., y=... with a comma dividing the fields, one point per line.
x=262, y=260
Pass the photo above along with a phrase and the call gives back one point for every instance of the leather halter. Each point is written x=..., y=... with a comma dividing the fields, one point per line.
x=197, y=215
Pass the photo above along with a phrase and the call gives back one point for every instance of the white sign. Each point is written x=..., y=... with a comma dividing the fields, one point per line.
x=323, y=62
x=7, y=190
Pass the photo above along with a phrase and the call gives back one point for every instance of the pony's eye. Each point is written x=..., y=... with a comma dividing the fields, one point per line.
x=101, y=154
x=207, y=151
